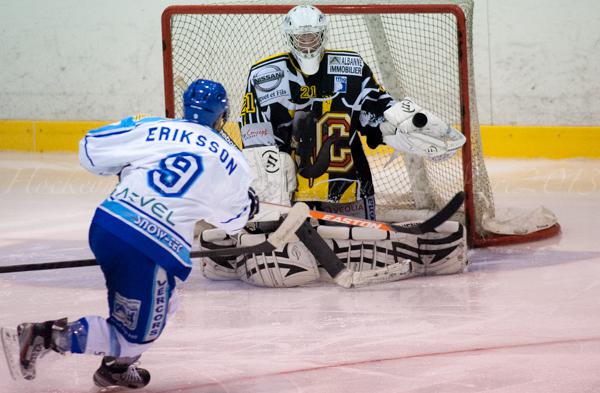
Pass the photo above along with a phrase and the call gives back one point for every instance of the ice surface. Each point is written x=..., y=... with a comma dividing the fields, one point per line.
x=526, y=318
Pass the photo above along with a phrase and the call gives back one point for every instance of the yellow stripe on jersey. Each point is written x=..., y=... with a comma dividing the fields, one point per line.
x=347, y=51
x=350, y=194
x=326, y=106
x=317, y=190
x=281, y=54
x=233, y=131
x=312, y=189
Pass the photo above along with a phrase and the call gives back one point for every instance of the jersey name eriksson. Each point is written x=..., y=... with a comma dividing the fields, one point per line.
x=166, y=134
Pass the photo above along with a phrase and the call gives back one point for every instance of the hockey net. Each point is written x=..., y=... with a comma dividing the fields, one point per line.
x=417, y=49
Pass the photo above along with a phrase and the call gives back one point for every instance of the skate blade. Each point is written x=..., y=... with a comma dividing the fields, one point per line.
x=10, y=345
x=112, y=389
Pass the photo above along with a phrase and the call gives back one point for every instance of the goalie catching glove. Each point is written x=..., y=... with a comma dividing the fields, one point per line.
x=410, y=129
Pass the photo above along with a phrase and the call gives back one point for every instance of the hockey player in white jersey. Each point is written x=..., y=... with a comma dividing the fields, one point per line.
x=172, y=173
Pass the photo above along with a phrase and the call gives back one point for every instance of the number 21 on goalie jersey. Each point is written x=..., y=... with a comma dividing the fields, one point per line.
x=316, y=118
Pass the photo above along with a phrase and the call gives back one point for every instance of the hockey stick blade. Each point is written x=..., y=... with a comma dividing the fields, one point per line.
x=429, y=225
x=286, y=231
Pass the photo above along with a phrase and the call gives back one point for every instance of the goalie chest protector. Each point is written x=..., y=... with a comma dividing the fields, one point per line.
x=343, y=97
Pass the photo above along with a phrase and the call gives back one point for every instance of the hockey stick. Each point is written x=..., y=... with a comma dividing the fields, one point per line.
x=429, y=225
x=284, y=234
x=221, y=252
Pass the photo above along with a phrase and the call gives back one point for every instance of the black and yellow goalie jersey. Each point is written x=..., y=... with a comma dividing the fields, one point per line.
x=315, y=118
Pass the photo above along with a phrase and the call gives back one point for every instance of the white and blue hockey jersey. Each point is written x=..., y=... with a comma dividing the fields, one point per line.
x=172, y=174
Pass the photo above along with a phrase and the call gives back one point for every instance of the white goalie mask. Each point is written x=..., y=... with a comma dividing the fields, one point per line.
x=305, y=31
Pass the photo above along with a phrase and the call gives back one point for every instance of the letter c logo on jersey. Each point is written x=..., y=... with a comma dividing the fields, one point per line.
x=268, y=78
x=336, y=124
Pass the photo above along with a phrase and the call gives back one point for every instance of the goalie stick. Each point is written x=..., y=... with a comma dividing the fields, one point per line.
x=415, y=228
x=284, y=234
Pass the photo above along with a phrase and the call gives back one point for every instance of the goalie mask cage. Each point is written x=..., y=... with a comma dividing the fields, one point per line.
x=420, y=50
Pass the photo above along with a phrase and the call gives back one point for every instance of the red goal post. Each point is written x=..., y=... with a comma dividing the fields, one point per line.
x=417, y=50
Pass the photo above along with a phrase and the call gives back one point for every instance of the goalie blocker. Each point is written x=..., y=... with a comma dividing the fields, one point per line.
x=441, y=252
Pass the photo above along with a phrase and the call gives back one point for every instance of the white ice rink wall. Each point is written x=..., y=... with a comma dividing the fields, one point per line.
x=536, y=63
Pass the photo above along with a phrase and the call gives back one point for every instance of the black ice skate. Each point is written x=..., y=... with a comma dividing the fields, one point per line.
x=121, y=372
x=30, y=341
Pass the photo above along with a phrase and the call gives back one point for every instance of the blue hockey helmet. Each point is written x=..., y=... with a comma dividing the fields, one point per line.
x=204, y=102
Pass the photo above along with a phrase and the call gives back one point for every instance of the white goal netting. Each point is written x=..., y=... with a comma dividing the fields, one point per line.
x=419, y=49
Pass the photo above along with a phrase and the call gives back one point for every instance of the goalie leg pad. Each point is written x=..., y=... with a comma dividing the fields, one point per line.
x=288, y=266
x=442, y=253
x=218, y=268
x=363, y=249
x=434, y=253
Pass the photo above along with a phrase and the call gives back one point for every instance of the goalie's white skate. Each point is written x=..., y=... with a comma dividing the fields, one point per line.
x=10, y=346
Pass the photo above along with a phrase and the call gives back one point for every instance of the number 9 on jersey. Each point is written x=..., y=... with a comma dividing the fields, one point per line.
x=176, y=173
